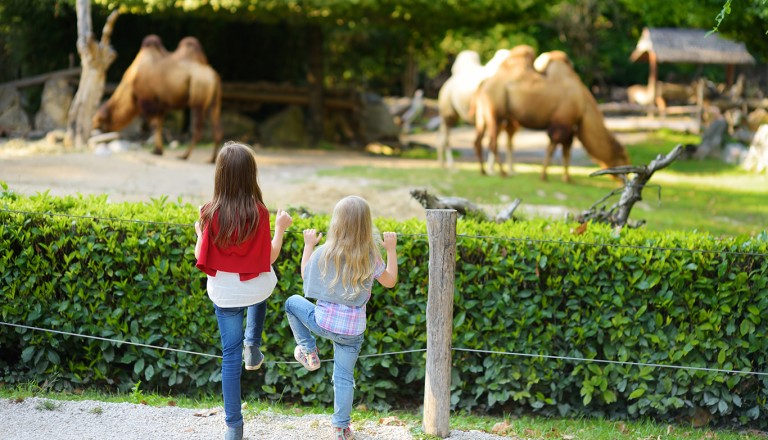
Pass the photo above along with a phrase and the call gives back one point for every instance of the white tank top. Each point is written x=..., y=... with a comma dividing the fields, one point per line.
x=226, y=290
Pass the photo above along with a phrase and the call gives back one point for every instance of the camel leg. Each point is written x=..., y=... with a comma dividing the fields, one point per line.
x=158, y=123
x=479, y=133
x=567, y=160
x=444, y=156
x=197, y=130
x=496, y=153
x=547, y=158
x=493, y=146
x=493, y=159
x=511, y=129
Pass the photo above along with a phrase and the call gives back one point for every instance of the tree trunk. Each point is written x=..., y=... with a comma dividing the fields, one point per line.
x=411, y=74
x=315, y=78
x=95, y=59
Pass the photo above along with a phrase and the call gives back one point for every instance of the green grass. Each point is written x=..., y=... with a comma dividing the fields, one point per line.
x=514, y=427
x=707, y=195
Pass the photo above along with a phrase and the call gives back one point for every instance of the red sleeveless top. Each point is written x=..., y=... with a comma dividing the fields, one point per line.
x=249, y=259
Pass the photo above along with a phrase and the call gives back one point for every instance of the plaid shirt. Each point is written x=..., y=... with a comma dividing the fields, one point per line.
x=341, y=319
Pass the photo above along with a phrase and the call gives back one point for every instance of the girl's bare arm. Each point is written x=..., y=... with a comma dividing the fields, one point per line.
x=389, y=277
x=199, y=239
x=282, y=221
x=311, y=238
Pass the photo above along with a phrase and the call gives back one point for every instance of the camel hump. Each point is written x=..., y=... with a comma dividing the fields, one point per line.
x=153, y=42
x=465, y=60
x=189, y=48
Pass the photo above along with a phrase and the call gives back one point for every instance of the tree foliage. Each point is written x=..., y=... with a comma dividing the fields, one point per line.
x=370, y=43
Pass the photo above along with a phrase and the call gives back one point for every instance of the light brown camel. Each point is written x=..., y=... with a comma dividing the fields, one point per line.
x=455, y=96
x=158, y=81
x=555, y=100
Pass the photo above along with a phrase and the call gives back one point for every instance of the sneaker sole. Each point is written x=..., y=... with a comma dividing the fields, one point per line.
x=254, y=367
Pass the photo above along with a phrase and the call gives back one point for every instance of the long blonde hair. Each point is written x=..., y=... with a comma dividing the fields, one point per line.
x=350, y=246
x=236, y=196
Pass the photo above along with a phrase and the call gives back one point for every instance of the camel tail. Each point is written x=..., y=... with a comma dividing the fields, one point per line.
x=598, y=141
x=215, y=104
x=203, y=87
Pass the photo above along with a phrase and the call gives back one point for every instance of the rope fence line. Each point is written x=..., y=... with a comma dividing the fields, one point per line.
x=424, y=236
x=417, y=350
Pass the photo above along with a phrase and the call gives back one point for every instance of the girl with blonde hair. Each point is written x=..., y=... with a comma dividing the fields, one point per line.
x=339, y=276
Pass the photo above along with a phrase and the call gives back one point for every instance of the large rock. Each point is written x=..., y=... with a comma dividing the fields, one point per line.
x=54, y=105
x=378, y=125
x=712, y=140
x=286, y=128
x=235, y=126
x=757, y=156
x=13, y=119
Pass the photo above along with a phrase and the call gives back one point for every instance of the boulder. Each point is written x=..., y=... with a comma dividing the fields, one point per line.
x=286, y=128
x=756, y=159
x=13, y=119
x=54, y=105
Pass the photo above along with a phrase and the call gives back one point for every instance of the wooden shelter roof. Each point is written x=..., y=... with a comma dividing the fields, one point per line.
x=672, y=45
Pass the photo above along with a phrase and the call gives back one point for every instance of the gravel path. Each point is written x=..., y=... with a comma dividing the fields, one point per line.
x=38, y=418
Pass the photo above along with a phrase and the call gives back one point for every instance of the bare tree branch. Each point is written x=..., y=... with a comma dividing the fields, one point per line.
x=618, y=214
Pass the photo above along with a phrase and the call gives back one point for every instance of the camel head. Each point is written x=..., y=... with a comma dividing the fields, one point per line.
x=617, y=155
x=102, y=120
x=115, y=114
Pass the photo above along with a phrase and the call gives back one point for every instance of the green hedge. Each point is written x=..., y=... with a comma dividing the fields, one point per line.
x=126, y=271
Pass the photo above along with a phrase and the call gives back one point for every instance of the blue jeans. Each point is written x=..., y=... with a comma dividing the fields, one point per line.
x=231, y=329
x=301, y=317
x=254, y=324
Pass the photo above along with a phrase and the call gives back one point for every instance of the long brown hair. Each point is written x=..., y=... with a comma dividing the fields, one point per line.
x=236, y=196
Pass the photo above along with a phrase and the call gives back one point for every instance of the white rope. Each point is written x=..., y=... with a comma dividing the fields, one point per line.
x=507, y=353
x=640, y=364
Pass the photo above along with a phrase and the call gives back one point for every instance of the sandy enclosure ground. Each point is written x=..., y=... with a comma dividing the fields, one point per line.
x=288, y=177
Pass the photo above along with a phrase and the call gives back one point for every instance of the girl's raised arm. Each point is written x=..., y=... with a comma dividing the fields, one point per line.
x=389, y=277
x=282, y=221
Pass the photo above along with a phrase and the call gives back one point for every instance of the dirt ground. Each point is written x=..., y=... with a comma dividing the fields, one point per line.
x=288, y=177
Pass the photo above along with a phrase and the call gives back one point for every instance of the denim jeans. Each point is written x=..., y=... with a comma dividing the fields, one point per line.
x=301, y=317
x=231, y=329
x=254, y=324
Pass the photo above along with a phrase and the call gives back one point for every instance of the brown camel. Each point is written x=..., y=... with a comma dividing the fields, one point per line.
x=158, y=81
x=554, y=100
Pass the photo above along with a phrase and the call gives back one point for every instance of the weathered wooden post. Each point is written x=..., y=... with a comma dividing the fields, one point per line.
x=441, y=229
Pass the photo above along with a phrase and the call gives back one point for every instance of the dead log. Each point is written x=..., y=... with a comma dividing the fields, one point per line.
x=618, y=214
x=463, y=206
x=95, y=59
x=42, y=78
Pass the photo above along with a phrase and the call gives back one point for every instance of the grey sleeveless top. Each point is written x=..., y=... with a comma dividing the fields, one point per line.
x=316, y=287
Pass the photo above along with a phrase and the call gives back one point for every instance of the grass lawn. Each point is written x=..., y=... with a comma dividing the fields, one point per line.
x=709, y=195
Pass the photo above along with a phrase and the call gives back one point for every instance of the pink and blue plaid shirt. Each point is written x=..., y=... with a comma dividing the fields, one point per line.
x=341, y=319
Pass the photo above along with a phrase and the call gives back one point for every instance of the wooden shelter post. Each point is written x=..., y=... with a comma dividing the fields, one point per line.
x=441, y=229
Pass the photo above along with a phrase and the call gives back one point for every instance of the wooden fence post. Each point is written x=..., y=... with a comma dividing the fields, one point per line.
x=441, y=229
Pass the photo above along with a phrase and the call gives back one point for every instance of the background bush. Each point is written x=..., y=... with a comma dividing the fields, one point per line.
x=126, y=272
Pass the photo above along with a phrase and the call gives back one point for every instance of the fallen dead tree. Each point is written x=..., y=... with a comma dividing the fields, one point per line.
x=618, y=214
x=463, y=206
